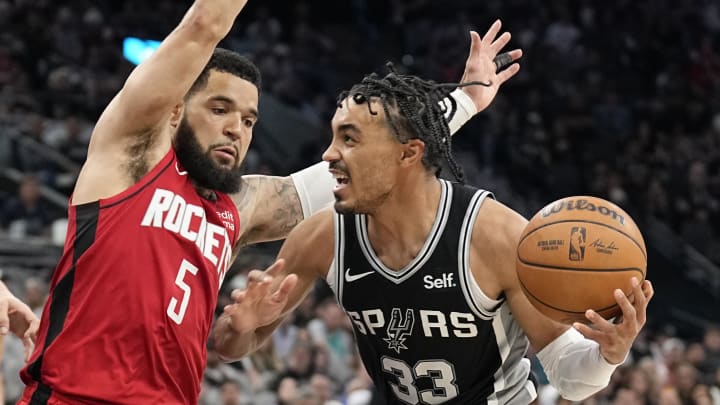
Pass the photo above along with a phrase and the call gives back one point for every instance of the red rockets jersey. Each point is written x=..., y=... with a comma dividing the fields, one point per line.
x=132, y=299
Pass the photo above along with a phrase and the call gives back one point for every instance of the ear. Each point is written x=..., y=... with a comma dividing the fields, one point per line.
x=176, y=114
x=412, y=152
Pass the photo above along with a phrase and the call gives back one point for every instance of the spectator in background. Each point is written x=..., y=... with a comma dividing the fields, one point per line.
x=711, y=343
x=232, y=394
x=72, y=137
x=26, y=214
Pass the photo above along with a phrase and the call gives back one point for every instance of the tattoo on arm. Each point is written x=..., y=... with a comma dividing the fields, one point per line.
x=269, y=208
x=287, y=210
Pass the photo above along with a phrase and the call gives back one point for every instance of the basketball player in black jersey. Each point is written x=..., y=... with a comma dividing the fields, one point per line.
x=424, y=268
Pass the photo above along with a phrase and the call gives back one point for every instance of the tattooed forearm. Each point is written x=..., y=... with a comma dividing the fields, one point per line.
x=287, y=210
x=269, y=208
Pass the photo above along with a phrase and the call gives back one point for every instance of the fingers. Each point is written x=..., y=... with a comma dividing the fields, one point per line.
x=4, y=319
x=285, y=288
x=32, y=330
x=500, y=42
x=639, y=301
x=28, y=347
x=508, y=73
x=648, y=290
x=586, y=330
x=475, y=42
x=473, y=54
x=502, y=60
x=276, y=267
x=629, y=313
x=489, y=36
x=238, y=295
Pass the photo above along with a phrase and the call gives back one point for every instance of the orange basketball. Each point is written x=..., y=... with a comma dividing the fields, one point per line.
x=574, y=253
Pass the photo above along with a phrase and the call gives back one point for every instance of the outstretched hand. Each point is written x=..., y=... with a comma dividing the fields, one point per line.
x=616, y=339
x=18, y=318
x=263, y=300
x=481, y=66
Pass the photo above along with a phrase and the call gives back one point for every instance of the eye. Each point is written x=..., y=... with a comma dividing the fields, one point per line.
x=348, y=139
x=248, y=123
x=218, y=110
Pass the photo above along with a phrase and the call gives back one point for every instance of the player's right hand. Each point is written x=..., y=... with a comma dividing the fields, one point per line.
x=18, y=318
x=263, y=300
x=481, y=66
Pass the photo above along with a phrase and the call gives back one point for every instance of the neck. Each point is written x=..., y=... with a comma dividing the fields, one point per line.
x=206, y=193
x=400, y=227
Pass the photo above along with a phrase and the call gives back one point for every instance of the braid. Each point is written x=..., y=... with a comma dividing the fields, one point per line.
x=420, y=112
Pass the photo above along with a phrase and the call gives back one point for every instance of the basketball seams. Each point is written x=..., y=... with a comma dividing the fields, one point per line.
x=586, y=222
x=605, y=270
x=531, y=295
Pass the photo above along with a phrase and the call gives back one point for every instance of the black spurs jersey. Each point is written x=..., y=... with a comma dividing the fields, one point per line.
x=427, y=334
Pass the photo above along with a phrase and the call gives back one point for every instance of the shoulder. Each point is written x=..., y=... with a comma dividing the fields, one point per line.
x=494, y=242
x=310, y=245
x=317, y=229
x=498, y=224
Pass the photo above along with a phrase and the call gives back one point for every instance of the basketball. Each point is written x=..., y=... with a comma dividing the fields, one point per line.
x=574, y=253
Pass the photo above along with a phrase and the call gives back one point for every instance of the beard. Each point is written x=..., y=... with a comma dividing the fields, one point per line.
x=201, y=168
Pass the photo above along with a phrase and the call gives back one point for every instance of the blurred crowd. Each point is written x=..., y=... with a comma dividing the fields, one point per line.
x=616, y=99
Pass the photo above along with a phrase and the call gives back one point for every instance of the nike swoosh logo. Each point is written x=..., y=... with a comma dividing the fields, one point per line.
x=354, y=277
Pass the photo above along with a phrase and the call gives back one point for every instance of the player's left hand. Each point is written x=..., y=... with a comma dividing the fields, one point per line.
x=481, y=66
x=616, y=339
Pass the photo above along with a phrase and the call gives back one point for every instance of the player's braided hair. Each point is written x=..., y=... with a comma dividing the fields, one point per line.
x=414, y=110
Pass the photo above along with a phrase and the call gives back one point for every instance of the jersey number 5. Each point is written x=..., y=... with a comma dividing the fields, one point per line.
x=441, y=372
x=174, y=312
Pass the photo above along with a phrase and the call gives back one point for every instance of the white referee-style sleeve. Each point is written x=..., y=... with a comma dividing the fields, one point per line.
x=574, y=365
x=314, y=186
x=465, y=110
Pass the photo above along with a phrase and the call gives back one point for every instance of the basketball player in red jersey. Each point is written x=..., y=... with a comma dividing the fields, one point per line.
x=159, y=211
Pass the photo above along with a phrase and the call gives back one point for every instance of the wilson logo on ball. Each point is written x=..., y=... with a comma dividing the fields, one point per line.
x=581, y=205
x=578, y=238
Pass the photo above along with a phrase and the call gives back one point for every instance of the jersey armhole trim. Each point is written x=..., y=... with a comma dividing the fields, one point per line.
x=482, y=305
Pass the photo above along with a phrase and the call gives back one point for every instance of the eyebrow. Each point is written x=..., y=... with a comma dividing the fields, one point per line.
x=230, y=101
x=349, y=128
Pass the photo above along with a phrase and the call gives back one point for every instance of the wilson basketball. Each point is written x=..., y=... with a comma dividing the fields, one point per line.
x=574, y=253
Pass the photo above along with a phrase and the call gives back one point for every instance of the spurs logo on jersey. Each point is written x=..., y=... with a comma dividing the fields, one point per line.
x=433, y=323
x=398, y=328
x=171, y=212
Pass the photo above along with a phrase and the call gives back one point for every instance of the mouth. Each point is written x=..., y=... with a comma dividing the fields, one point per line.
x=227, y=153
x=342, y=179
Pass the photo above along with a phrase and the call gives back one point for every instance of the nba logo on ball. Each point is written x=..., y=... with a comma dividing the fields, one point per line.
x=574, y=253
x=578, y=236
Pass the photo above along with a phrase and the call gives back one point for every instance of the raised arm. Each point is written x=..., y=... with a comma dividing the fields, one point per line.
x=134, y=132
x=159, y=83
x=271, y=295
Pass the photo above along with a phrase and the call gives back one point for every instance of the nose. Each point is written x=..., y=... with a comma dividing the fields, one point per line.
x=234, y=127
x=331, y=154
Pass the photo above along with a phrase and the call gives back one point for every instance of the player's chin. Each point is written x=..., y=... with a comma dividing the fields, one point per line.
x=343, y=206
